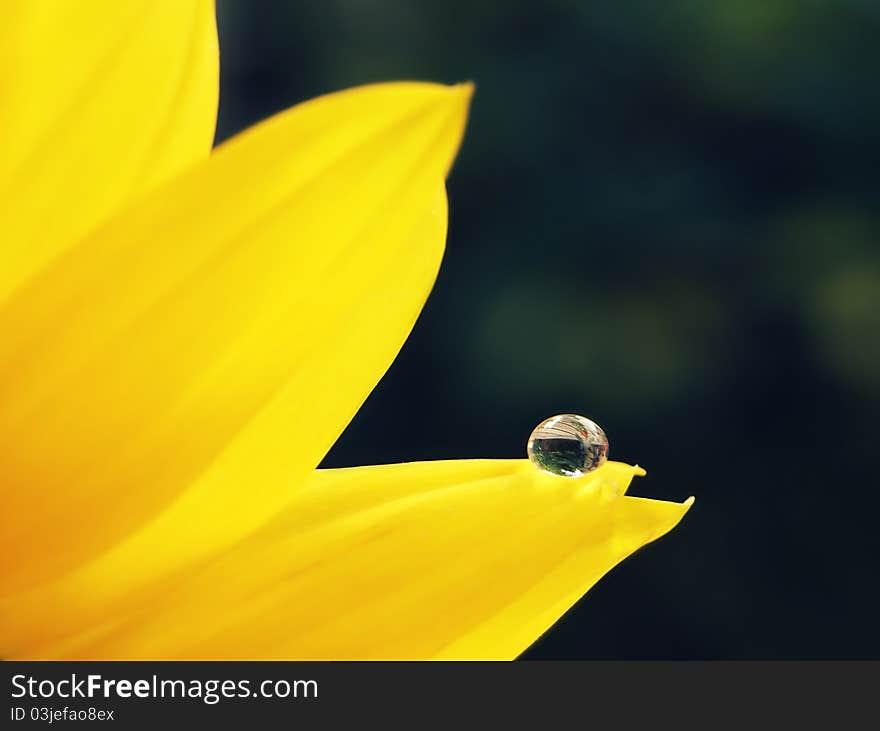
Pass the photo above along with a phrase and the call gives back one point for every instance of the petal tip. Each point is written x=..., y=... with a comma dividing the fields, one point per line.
x=466, y=89
x=461, y=94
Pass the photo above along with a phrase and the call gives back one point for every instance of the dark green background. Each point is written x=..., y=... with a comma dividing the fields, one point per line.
x=665, y=217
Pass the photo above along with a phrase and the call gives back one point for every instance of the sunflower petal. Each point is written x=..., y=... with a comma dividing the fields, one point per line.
x=201, y=352
x=460, y=559
x=98, y=101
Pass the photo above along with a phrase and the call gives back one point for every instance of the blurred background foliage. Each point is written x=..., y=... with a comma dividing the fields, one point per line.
x=664, y=216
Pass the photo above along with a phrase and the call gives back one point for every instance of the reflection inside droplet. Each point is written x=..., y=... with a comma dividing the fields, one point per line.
x=568, y=445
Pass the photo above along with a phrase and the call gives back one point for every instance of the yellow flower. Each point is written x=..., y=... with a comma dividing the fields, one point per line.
x=184, y=334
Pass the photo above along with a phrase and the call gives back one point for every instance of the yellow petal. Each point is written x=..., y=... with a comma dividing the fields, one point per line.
x=467, y=560
x=98, y=100
x=199, y=353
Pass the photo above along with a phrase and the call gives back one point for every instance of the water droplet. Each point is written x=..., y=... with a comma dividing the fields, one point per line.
x=568, y=445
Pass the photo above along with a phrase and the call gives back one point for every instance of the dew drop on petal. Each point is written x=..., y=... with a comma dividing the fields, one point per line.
x=568, y=445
